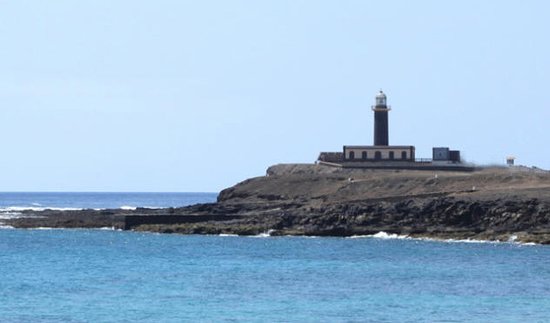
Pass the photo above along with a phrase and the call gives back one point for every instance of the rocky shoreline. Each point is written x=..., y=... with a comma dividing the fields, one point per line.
x=496, y=204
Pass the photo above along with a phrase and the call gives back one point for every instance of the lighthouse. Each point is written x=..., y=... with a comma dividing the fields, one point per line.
x=383, y=156
x=381, y=152
x=381, y=109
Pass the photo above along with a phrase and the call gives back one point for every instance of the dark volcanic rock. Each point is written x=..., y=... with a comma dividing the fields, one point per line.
x=322, y=201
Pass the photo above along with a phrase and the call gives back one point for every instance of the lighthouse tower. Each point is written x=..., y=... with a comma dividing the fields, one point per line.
x=381, y=137
x=381, y=151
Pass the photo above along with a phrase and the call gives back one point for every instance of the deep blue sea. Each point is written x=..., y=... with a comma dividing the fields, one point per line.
x=116, y=276
x=14, y=201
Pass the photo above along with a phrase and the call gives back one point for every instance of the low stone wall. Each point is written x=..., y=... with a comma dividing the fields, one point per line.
x=408, y=165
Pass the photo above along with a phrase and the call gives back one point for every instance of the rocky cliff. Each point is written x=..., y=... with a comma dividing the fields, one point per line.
x=307, y=199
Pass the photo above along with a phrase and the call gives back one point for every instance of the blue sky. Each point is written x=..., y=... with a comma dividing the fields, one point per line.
x=129, y=95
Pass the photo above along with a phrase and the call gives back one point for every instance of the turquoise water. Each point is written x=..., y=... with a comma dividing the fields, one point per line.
x=89, y=276
x=115, y=276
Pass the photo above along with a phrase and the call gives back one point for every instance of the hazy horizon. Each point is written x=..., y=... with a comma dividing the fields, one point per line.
x=183, y=96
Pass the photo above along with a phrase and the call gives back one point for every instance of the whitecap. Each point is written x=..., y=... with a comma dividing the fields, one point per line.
x=107, y=228
x=36, y=208
x=228, y=235
x=385, y=235
x=511, y=240
x=264, y=234
x=468, y=241
x=128, y=208
x=10, y=215
x=380, y=235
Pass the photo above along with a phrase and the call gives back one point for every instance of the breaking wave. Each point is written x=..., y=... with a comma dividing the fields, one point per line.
x=385, y=236
x=381, y=235
x=228, y=235
x=36, y=209
x=264, y=234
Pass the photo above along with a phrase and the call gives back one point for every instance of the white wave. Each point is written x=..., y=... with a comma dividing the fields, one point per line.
x=228, y=235
x=385, y=235
x=511, y=240
x=261, y=235
x=10, y=215
x=463, y=240
x=37, y=209
x=482, y=241
x=388, y=236
x=264, y=234
x=74, y=229
x=3, y=227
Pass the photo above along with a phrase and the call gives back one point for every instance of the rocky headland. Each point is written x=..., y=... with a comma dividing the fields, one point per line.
x=492, y=203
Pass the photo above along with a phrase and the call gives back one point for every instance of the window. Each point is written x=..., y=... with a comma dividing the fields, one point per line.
x=377, y=155
x=392, y=155
x=403, y=155
x=364, y=155
x=351, y=155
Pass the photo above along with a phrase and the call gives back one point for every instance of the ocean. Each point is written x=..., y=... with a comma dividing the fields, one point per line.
x=56, y=275
x=16, y=201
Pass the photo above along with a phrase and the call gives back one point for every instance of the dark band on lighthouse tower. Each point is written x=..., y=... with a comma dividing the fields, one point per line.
x=381, y=136
x=383, y=156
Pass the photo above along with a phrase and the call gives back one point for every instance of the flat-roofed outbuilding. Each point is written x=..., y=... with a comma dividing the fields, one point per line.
x=379, y=153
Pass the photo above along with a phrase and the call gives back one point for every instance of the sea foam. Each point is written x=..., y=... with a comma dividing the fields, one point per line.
x=228, y=235
x=264, y=234
x=384, y=235
x=19, y=209
x=381, y=235
x=37, y=208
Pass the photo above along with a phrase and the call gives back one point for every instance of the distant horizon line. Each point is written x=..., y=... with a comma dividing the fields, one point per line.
x=109, y=192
